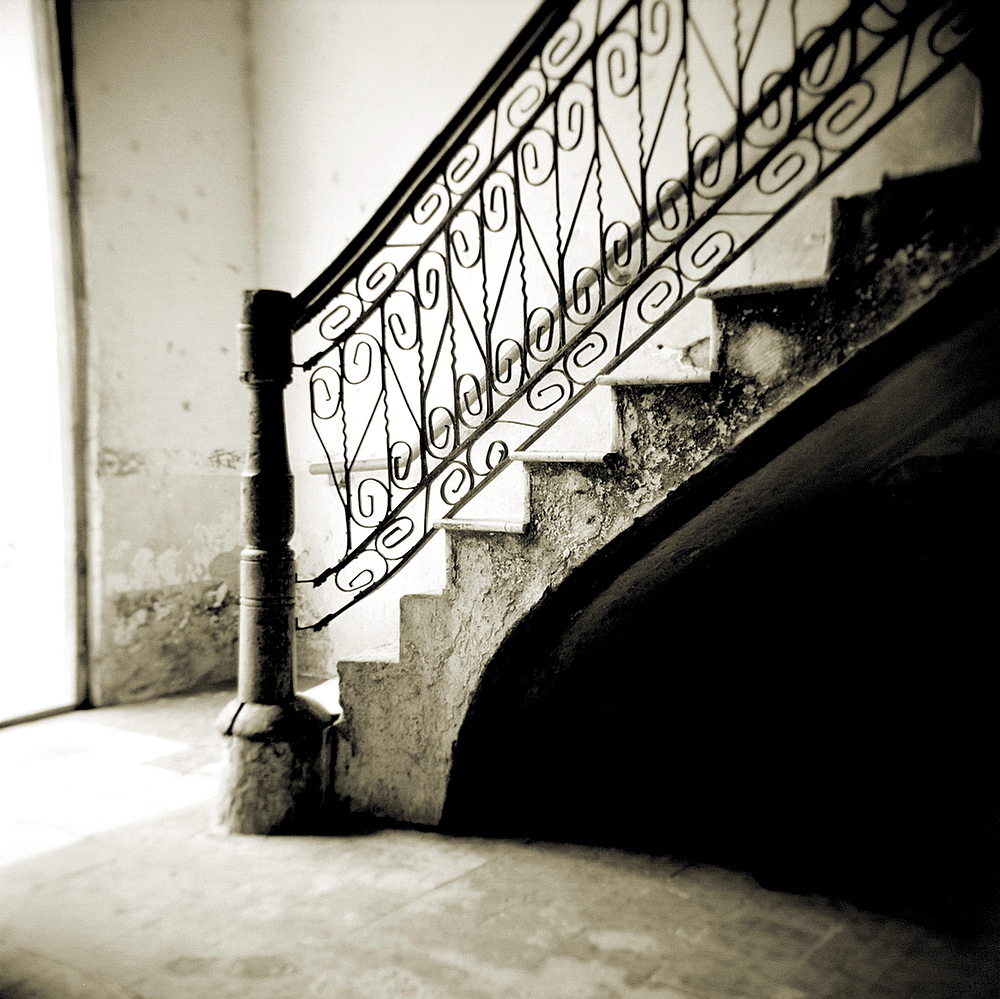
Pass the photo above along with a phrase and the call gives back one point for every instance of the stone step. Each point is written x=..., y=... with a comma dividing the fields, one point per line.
x=504, y=500
x=383, y=655
x=685, y=350
x=326, y=695
x=928, y=136
x=483, y=525
x=589, y=426
x=576, y=457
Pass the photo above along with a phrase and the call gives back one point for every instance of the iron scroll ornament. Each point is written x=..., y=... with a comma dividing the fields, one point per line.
x=639, y=153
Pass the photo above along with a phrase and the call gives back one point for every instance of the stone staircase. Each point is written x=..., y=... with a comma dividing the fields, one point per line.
x=841, y=271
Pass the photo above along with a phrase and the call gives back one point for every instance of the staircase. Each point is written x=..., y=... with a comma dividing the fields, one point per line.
x=657, y=434
x=894, y=251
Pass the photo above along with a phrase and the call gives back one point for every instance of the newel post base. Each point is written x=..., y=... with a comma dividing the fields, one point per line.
x=277, y=755
x=277, y=768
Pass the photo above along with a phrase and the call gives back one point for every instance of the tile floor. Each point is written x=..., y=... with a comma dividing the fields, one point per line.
x=112, y=884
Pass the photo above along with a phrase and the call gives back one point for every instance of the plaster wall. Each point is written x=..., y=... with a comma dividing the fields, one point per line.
x=226, y=145
x=348, y=94
x=166, y=167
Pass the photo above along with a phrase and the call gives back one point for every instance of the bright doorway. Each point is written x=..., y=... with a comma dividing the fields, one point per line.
x=38, y=630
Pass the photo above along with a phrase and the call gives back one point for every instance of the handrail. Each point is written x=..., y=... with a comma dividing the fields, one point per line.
x=453, y=407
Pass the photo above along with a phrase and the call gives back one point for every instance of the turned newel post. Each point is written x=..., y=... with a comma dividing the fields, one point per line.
x=277, y=744
x=267, y=564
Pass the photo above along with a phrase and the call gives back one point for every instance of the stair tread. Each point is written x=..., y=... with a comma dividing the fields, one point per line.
x=485, y=524
x=685, y=349
x=388, y=652
x=762, y=288
x=589, y=426
x=326, y=695
x=697, y=375
x=551, y=456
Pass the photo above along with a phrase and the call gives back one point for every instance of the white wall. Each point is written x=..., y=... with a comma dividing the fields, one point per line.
x=348, y=94
x=226, y=144
x=166, y=194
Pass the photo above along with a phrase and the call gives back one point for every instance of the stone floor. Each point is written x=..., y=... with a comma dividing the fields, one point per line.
x=112, y=885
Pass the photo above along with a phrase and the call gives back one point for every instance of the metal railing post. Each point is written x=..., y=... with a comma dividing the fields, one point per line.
x=277, y=744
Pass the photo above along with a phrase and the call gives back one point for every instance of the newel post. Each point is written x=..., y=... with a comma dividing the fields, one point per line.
x=277, y=744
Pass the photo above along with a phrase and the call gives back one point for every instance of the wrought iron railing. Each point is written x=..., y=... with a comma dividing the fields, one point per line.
x=619, y=159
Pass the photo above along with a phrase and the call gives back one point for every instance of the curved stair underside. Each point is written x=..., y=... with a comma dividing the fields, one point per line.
x=696, y=391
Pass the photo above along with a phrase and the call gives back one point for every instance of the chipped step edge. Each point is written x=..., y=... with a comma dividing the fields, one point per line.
x=483, y=525
x=697, y=375
x=764, y=288
x=387, y=653
x=562, y=456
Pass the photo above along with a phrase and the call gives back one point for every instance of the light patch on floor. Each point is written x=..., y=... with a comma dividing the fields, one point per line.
x=63, y=780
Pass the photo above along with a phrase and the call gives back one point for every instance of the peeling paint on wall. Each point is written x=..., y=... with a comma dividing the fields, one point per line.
x=762, y=353
x=188, y=632
x=169, y=578
x=112, y=462
x=223, y=459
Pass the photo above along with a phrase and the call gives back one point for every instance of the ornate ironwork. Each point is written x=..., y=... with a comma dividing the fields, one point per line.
x=640, y=149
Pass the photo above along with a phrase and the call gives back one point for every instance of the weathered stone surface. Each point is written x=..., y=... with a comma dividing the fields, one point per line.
x=277, y=768
x=189, y=631
x=896, y=250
